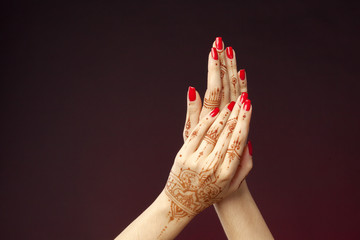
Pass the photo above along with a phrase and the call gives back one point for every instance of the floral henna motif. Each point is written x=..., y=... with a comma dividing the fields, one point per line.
x=212, y=136
x=191, y=192
x=212, y=101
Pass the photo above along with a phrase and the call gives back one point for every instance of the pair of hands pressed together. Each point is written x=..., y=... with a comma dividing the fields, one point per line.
x=207, y=167
x=213, y=162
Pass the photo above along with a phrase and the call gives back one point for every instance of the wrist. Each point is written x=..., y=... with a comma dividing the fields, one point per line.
x=174, y=209
x=242, y=195
x=158, y=221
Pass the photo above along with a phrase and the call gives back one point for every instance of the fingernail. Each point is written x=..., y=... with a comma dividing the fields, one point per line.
x=231, y=105
x=250, y=148
x=192, y=94
x=214, y=53
x=229, y=52
x=219, y=43
x=247, y=104
x=243, y=97
x=242, y=74
x=214, y=112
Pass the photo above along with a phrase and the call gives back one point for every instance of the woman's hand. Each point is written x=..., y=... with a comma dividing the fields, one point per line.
x=224, y=84
x=206, y=169
x=238, y=213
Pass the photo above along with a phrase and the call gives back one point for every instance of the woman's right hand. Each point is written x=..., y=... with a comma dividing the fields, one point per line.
x=207, y=167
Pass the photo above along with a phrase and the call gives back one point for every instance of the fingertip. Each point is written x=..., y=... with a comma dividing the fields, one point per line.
x=191, y=94
x=247, y=104
x=231, y=105
x=214, y=54
x=243, y=97
x=230, y=52
x=214, y=112
x=242, y=74
x=219, y=43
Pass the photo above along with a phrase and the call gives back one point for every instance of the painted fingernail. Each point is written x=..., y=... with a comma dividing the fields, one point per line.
x=247, y=104
x=242, y=74
x=250, y=148
x=231, y=105
x=192, y=94
x=214, y=53
x=229, y=52
x=219, y=43
x=243, y=97
x=214, y=112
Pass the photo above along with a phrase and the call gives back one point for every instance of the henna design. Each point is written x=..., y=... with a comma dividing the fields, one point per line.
x=187, y=127
x=194, y=133
x=162, y=231
x=213, y=99
x=244, y=116
x=233, y=80
x=176, y=212
x=223, y=70
x=234, y=149
x=212, y=136
x=191, y=192
x=188, y=124
x=186, y=133
x=200, y=155
x=234, y=83
x=231, y=125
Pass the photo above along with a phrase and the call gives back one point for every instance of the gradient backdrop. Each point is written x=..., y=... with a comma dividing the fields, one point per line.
x=93, y=104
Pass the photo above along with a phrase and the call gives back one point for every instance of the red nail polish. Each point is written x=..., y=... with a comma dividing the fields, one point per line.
x=250, y=148
x=231, y=105
x=214, y=54
x=219, y=43
x=242, y=74
x=247, y=104
x=243, y=97
x=192, y=94
x=214, y=112
x=229, y=52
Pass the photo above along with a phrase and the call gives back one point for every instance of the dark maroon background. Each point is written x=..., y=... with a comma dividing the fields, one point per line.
x=94, y=98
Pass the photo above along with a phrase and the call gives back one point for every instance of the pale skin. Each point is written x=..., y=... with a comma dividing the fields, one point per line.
x=210, y=168
x=238, y=212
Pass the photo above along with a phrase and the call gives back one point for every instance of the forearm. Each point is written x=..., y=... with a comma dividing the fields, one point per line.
x=155, y=222
x=241, y=218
